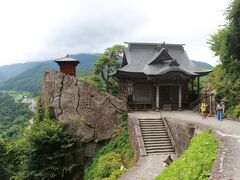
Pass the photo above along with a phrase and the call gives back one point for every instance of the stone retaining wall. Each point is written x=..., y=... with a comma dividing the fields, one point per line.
x=183, y=132
x=135, y=136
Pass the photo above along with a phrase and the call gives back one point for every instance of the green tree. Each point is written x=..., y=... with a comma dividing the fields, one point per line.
x=226, y=44
x=38, y=115
x=94, y=80
x=52, y=151
x=108, y=63
x=3, y=171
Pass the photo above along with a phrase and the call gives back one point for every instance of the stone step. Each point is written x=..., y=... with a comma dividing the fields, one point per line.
x=147, y=119
x=158, y=147
x=155, y=139
x=154, y=130
x=153, y=151
x=151, y=121
x=154, y=134
x=152, y=127
x=161, y=152
x=147, y=124
x=157, y=136
x=158, y=144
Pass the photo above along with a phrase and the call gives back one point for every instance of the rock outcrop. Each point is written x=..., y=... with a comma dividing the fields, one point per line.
x=90, y=113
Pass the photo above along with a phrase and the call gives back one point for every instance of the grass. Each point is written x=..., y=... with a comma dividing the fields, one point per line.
x=108, y=160
x=196, y=162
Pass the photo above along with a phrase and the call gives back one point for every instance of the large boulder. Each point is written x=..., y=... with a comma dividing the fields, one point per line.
x=90, y=113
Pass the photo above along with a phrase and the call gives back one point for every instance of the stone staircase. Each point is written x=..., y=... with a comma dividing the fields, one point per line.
x=155, y=137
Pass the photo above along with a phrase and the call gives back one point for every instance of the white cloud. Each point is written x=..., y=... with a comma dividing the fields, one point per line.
x=44, y=29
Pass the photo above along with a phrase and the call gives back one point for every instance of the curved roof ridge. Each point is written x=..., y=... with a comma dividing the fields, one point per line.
x=155, y=58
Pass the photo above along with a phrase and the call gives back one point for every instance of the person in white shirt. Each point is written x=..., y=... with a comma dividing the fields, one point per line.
x=219, y=109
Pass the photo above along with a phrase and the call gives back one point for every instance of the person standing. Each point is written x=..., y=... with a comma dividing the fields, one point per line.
x=219, y=109
x=204, y=110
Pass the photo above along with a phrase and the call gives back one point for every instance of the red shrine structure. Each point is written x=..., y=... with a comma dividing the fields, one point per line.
x=68, y=65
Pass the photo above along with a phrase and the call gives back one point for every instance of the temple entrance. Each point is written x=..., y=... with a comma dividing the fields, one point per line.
x=167, y=97
x=168, y=94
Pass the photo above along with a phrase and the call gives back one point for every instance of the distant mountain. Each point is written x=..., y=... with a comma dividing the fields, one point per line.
x=30, y=79
x=28, y=76
x=2, y=76
x=86, y=60
x=203, y=64
x=12, y=70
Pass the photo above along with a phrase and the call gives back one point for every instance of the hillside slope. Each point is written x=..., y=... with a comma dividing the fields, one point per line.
x=30, y=79
x=203, y=64
x=8, y=71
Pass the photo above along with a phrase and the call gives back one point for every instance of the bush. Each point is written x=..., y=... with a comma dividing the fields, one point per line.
x=51, y=151
x=107, y=164
x=117, y=152
x=236, y=111
x=196, y=162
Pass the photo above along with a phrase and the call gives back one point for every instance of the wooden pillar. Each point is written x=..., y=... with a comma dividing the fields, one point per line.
x=157, y=98
x=192, y=86
x=126, y=91
x=198, y=86
x=179, y=96
x=210, y=105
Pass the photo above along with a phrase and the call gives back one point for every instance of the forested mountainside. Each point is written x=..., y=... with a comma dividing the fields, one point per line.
x=203, y=64
x=7, y=71
x=28, y=76
x=30, y=79
x=14, y=116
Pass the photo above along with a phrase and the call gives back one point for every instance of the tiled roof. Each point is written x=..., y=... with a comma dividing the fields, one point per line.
x=67, y=58
x=159, y=59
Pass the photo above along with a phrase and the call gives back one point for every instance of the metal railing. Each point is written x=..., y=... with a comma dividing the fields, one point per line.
x=193, y=104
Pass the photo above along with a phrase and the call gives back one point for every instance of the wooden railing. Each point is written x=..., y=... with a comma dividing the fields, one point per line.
x=171, y=135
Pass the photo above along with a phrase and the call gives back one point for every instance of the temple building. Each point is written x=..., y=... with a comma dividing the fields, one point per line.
x=158, y=76
x=68, y=65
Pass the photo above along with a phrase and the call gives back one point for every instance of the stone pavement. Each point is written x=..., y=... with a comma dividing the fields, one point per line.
x=147, y=168
x=227, y=164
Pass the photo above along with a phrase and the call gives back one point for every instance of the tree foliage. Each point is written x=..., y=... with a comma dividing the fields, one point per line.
x=107, y=161
x=51, y=153
x=226, y=45
x=107, y=63
x=45, y=149
x=14, y=116
x=94, y=80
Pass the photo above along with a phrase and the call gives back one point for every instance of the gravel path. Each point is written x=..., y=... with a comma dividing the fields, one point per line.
x=227, y=165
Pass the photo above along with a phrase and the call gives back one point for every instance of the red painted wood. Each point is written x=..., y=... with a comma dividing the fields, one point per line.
x=68, y=68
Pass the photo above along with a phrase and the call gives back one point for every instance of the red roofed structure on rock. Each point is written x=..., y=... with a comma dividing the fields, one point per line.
x=68, y=65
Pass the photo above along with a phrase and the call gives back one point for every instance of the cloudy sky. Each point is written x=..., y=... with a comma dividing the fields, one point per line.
x=33, y=30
